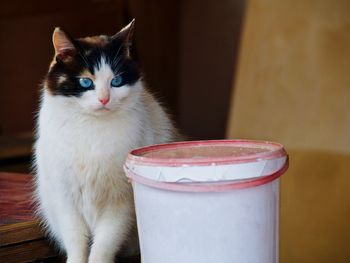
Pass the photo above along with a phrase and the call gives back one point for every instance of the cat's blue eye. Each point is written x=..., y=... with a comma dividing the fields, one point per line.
x=85, y=83
x=117, y=81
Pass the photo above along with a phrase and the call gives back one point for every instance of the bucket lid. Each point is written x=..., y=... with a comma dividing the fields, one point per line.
x=212, y=161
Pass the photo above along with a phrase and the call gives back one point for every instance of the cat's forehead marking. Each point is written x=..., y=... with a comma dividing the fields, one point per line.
x=103, y=70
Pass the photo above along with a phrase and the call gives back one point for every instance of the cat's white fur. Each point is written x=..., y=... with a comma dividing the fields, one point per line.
x=79, y=153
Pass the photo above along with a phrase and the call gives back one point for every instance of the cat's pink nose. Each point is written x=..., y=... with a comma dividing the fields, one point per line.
x=104, y=101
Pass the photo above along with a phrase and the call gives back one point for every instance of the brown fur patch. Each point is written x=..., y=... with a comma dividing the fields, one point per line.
x=87, y=74
x=95, y=40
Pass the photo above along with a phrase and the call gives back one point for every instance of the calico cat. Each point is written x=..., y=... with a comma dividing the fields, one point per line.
x=94, y=110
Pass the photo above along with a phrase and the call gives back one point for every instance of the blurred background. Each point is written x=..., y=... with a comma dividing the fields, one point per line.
x=274, y=70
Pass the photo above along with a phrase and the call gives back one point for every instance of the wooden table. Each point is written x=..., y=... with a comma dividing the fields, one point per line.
x=21, y=238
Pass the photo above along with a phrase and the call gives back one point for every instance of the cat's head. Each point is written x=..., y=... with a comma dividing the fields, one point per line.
x=98, y=73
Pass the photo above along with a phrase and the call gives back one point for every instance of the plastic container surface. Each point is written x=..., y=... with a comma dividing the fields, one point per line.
x=208, y=201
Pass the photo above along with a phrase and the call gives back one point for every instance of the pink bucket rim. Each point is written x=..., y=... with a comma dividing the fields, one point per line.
x=136, y=155
x=207, y=187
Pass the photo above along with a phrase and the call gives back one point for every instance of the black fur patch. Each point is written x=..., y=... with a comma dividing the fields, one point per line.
x=88, y=57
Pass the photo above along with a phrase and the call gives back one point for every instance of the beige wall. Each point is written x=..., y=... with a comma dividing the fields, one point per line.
x=293, y=86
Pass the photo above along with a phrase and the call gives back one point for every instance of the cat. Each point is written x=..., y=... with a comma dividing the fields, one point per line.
x=94, y=109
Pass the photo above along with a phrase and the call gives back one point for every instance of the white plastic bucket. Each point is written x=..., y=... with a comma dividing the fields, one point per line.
x=208, y=201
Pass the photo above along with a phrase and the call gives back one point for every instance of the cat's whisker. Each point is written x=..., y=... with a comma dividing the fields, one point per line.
x=84, y=59
x=116, y=60
x=119, y=66
x=118, y=51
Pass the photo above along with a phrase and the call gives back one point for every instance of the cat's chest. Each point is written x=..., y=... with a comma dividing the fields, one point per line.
x=88, y=144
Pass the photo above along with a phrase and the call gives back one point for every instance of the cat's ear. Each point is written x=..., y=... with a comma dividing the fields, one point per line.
x=63, y=44
x=126, y=35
